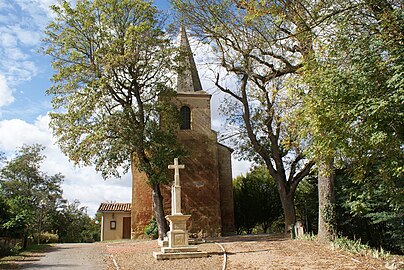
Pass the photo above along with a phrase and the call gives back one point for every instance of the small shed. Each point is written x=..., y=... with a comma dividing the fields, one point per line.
x=116, y=221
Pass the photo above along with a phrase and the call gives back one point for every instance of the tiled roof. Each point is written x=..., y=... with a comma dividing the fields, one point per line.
x=115, y=207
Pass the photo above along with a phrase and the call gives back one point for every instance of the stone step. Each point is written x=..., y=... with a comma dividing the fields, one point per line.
x=179, y=255
x=179, y=249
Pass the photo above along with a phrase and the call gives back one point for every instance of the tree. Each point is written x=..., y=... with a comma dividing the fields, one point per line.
x=354, y=108
x=256, y=201
x=260, y=50
x=27, y=190
x=307, y=203
x=350, y=46
x=74, y=225
x=112, y=61
x=370, y=210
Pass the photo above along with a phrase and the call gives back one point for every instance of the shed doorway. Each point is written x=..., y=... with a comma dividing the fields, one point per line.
x=126, y=228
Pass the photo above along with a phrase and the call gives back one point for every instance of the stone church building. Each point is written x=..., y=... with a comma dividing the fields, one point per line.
x=206, y=181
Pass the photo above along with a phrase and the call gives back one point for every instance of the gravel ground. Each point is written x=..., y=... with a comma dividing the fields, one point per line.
x=243, y=252
x=139, y=255
x=63, y=257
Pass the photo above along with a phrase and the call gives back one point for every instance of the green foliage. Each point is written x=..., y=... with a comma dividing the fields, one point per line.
x=46, y=238
x=308, y=237
x=371, y=208
x=256, y=201
x=357, y=248
x=31, y=203
x=329, y=216
x=74, y=225
x=258, y=51
x=306, y=203
x=10, y=250
x=27, y=192
x=353, y=95
x=151, y=229
x=112, y=63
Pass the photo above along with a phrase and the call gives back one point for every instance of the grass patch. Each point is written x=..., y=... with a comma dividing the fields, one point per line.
x=36, y=248
x=10, y=262
x=357, y=248
x=308, y=237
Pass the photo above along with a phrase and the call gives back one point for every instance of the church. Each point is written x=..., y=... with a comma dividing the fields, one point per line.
x=206, y=181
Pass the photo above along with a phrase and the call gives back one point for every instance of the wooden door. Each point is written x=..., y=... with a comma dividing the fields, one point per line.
x=126, y=228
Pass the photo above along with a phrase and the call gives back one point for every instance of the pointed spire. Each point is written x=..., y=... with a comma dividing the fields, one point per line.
x=188, y=78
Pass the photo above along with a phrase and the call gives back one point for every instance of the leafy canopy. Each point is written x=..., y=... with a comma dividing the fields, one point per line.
x=25, y=189
x=112, y=63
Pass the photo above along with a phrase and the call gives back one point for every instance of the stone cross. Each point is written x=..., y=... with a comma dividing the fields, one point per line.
x=176, y=189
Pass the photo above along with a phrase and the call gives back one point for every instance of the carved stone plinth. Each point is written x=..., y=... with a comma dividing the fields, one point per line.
x=178, y=234
x=178, y=247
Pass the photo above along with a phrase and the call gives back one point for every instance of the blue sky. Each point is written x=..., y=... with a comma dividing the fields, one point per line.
x=25, y=76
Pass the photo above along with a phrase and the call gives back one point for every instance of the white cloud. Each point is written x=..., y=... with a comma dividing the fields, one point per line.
x=26, y=36
x=15, y=54
x=83, y=184
x=16, y=132
x=240, y=167
x=18, y=71
x=6, y=96
x=7, y=39
x=22, y=23
x=4, y=4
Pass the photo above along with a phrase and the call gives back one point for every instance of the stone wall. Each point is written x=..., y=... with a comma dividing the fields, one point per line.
x=226, y=189
x=199, y=103
x=112, y=234
x=200, y=185
x=141, y=203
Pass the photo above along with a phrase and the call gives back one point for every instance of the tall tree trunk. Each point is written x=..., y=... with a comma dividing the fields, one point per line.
x=326, y=200
x=288, y=205
x=159, y=211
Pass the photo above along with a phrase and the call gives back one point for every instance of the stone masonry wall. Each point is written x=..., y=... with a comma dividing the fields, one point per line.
x=200, y=189
x=226, y=190
x=199, y=185
x=141, y=203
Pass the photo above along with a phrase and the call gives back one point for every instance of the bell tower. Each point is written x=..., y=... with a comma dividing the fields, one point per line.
x=206, y=181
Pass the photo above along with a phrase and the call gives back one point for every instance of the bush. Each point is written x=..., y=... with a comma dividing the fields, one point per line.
x=46, y=238
x=358, y=248
x=11, y=247
x=256, y=202
x=151, y=229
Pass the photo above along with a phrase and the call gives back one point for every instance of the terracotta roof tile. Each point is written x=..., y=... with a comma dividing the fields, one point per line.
x=115, y=207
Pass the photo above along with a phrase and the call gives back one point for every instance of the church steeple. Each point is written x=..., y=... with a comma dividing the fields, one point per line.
x=188, y=78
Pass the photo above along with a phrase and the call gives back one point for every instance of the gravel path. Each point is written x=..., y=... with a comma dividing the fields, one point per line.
x=70, y=257
x=260, y=252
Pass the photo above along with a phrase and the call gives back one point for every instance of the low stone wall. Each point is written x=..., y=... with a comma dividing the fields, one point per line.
x=8, y=243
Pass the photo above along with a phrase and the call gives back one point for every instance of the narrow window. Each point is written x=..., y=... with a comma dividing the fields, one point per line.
x=112, y=225
x=185, y=117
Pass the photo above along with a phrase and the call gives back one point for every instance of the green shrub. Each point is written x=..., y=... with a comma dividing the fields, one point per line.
x=308, y=237
x=151, y=229
x=46, y=238
x=356, y=247
x=10, y=250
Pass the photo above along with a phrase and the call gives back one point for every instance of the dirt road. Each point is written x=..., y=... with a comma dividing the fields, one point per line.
x=70, y=257
x=260, y=252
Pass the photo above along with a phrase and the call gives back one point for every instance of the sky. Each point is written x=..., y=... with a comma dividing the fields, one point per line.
x=24, y=78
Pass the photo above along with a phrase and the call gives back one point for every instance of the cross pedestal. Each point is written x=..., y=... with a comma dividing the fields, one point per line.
x=178, y=246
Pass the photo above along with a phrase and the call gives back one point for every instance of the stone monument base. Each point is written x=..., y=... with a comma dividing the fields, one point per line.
x=177, y=246
x=163, y=243
x=179, y=253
